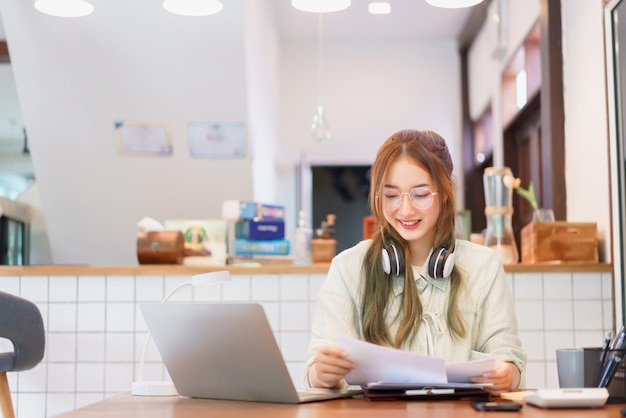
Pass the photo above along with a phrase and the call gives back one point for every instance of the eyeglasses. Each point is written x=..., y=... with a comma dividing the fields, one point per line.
x=420, y=198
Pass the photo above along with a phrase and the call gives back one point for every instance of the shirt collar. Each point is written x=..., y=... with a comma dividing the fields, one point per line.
x=422, y=281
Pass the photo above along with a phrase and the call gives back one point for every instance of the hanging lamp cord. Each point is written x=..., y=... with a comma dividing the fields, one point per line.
x=320, y=57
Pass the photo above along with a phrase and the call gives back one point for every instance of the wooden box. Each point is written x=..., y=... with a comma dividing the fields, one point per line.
x=559, y=241
x=323, y=249
x=160, y=247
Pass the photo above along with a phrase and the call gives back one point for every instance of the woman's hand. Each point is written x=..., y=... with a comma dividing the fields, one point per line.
x=504, y=377
x=330, y=367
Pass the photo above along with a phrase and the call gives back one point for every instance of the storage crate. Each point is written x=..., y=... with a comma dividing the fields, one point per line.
x=559, y=241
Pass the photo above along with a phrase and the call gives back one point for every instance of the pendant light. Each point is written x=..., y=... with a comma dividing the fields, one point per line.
x=319, y=128
x=453, y=4
x=64, y=8
x=193, y=7
x=321, y=6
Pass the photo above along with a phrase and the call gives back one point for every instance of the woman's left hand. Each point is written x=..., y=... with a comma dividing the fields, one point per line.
x=504, y=377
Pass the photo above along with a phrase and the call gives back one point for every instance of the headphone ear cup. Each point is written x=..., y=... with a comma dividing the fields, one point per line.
x=440, y=263
x=386, y=261
x=393, y=260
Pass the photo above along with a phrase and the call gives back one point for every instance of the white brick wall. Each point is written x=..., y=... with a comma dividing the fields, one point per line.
x=95, y=332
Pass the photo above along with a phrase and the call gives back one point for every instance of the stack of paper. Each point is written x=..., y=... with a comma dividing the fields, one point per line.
x=375, y=363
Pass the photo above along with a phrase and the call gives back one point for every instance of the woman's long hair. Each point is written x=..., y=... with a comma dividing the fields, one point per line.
x=430, y=151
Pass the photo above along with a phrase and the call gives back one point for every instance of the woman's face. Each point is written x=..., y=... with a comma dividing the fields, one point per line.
x=408, y=205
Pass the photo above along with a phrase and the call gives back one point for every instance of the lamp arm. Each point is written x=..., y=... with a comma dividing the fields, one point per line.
x=149, y=337
x=143, y=357
x=169, y=295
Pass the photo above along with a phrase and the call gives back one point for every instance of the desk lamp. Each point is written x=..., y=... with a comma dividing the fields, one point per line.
x=166, y=388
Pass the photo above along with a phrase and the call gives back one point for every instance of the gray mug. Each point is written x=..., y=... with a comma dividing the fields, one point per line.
x=570, y=363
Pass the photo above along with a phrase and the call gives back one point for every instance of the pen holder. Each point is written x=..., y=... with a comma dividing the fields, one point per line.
x=617, y=387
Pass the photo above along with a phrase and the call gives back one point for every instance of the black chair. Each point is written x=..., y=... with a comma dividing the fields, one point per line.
x=22, y=324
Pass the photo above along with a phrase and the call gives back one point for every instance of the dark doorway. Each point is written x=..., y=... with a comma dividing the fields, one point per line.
x=342, y=191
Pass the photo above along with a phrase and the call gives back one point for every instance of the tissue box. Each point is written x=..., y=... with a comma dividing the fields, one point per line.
x=160, y=247
x=559, y=241
x=204, y=238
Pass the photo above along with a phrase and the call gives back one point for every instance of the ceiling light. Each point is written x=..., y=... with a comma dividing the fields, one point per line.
x=320, y=6
x=193, y=7
x=64, y=8
x=453, y=4
x=379, y=8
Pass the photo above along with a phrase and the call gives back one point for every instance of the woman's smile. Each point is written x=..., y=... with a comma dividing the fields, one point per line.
x=406, y=224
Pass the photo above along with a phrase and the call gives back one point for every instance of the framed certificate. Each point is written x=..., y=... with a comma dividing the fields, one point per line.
x=143, y=138
x=217, y=139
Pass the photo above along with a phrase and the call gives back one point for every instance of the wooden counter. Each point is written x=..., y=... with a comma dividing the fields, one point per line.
x=316, y=268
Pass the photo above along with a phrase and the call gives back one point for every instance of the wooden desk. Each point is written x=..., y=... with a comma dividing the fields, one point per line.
x=125, y=405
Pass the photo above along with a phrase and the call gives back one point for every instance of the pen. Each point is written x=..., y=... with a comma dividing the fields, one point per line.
x=617, y=339
x=617, y=354
x=605, y=349
x=609, y=372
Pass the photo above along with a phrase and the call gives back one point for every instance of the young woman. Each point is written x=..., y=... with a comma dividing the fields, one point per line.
x=413, y=286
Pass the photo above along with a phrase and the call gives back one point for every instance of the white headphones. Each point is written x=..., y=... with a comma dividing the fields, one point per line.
x=440, y=263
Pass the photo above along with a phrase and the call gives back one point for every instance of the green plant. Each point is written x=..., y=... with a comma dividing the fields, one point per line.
x=528, y=194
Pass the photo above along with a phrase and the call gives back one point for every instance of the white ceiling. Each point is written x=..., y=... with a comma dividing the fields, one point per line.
x=409, y=19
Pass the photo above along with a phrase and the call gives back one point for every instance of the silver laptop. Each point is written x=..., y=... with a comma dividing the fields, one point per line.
x=225, y=351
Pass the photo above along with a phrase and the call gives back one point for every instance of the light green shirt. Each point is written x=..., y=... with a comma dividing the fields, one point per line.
x=485, y=302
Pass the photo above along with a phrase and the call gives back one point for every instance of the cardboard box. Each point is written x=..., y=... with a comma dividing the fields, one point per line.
x=559, y=241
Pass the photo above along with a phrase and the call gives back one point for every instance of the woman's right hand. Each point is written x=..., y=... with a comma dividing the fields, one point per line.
x=330, y=367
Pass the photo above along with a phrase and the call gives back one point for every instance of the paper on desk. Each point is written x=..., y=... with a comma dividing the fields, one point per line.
x=375, y=363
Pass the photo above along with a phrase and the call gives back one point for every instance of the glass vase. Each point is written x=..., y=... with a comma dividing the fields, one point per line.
x=543, y=215
x=499, y=213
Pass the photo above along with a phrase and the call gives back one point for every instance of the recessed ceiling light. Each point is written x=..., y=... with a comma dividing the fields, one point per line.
x=64, y=8
x=321, y=6
x=453, y=4
x=379, y=8
x=193, y=7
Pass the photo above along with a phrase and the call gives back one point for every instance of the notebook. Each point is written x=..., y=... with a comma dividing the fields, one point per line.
x=225, y=351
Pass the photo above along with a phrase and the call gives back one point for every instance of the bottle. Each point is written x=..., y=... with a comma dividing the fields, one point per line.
x=302, y=241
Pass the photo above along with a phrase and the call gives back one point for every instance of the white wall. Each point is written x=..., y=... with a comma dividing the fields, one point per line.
x=134, y=62
x=371, y=90
x=262, y=45
x=11, y=120
x=586, y=136
x=143, y=66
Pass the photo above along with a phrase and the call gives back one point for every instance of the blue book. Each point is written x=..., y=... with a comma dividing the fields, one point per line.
x=250, y=247
x=266, y=228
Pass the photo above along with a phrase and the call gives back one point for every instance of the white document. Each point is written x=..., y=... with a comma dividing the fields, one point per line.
x=462, y=372
x=375, y=363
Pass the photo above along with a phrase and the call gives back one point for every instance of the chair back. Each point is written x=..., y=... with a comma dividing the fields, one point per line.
x=22, y=324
